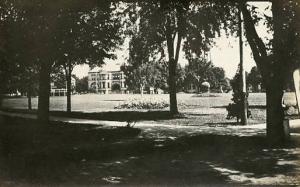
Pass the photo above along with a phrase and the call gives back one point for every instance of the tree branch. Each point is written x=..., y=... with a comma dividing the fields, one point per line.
x=170, y=41
x=180, y=25
x=179, y=39
x=257, y=46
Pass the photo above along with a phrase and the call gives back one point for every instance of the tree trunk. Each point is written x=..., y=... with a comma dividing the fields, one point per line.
x=68, y=74
x=172, y=88
x=275, y=115
x=142, y=89
x=44, y=93
x=173, y=53
x=69, y=89
x=29, y=99
x=1, y=100
x=273, y=70
x=274, y=87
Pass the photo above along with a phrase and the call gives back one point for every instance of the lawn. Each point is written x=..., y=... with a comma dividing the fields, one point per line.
x=98, y=103
x=201, y=147
x=197, y=107
x=33, y=154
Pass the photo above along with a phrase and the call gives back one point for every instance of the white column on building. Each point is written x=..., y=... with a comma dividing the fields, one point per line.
x=96, y=82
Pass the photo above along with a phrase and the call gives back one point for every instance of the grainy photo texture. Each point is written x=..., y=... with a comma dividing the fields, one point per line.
x=149, y=92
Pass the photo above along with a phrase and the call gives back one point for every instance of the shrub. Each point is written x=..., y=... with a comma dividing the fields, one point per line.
x=148, y=104
x=235, y=109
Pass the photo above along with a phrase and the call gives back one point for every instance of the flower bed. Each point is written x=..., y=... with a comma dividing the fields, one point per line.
x=143, y=103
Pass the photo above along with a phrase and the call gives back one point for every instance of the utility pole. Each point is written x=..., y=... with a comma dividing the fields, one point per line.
x=243, y=89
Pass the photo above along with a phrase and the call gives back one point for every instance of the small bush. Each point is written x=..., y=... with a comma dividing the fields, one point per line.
x=148, y=104
x=235, y=109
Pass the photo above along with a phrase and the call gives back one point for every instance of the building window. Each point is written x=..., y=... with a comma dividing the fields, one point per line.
x=116, y=76
x=103, y=84
x=102, y=77
x=108, y=86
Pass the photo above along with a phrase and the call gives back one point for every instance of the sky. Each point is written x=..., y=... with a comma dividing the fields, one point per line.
x=225, y=52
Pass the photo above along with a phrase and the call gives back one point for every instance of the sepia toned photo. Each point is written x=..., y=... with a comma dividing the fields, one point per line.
x=149, y=93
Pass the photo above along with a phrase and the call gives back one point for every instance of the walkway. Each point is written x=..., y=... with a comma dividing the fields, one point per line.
x=234, y=158
x=159, y=130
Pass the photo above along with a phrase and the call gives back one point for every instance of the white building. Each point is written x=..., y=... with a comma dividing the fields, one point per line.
x=107, y=79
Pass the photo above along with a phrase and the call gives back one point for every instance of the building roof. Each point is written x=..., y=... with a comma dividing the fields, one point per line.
x=106, y=68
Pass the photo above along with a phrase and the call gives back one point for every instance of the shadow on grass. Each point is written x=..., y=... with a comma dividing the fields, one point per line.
x=194, y=114
x=84, y=154
x=224, y=124
x=109, y=116
x=206, y=95
x=250, y=106
x=40, y=152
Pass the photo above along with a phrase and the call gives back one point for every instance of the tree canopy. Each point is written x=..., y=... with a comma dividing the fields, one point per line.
x=166, y=28
x=46, y=33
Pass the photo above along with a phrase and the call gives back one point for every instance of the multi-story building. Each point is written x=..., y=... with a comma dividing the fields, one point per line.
x=106, y=80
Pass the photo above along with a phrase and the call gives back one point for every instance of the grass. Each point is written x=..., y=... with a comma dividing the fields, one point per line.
x=69, y=155
x=39, y=152
x=128, y=116
x=100, y=103
x=209, y=152
x=198, y=110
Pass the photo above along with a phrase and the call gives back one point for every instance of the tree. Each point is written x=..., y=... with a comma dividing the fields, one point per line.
x=218, y=81
x=254, y=79
x=87, y=37
x=143, y=68
x=26, y=82
x=82, y=85
x=25, y=70
x=173, y=24
x=18, y=71
x=146, y=75
x=49, y=31
x=200, y=70
x=235, y=109
x=274, y=68
x=58, y=78
x=41, y=17
x=6, y=68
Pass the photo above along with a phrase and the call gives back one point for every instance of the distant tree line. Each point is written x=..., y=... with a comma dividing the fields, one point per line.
x=197, y=71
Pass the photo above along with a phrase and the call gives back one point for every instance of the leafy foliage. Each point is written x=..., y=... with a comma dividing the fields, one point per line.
x=235, y=109
x=165, y=26
x=143, y=68
x=200, y=70
x=148, y=104
x=82, y=85
x=254, y=79
x=41, y=34
x=145, y=75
